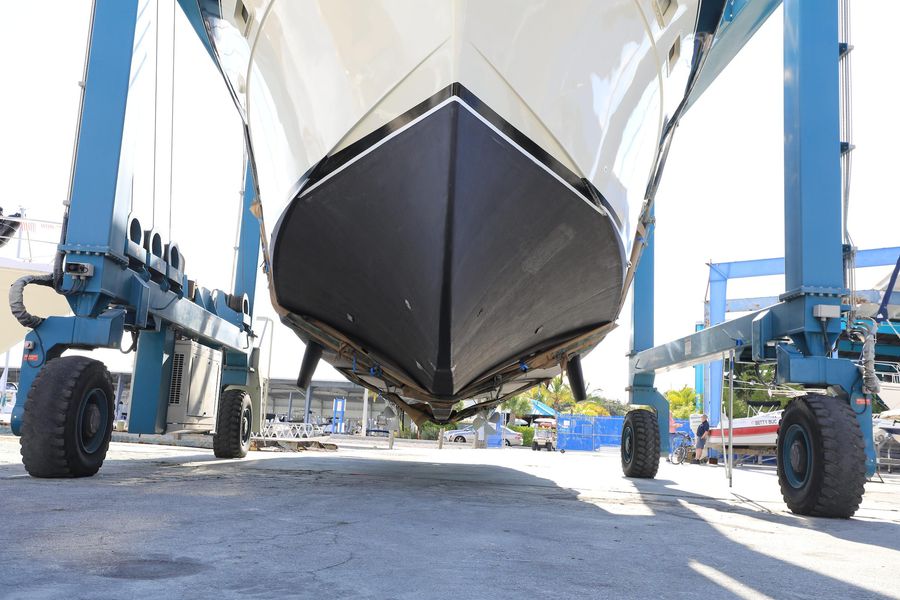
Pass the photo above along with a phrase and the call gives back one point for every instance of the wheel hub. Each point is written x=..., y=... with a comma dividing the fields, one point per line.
x=245, y=426
x=796, y=456
x=93, y=418
x=91, y=421
x=626, y=443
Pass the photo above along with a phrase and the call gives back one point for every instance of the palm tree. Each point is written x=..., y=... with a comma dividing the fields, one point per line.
x=559, y=394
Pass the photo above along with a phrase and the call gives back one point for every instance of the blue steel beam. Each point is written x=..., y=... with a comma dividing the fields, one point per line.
x=102, y=228
x=750, y=304
x=236, y=368
x=248, y=241
x=813, y=263
x=741, y=19
x=641, y=389
x=871, y=257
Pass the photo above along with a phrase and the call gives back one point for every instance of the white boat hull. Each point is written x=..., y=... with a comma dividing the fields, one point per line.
x=589, y=82
x=890, y=394
x=433, y=162
x=758, y=431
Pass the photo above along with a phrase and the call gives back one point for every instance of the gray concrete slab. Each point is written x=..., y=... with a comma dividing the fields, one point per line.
x=413, y=523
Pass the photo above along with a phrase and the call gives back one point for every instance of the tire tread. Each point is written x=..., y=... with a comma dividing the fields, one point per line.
x=227, y=439
x=843, y=460
x=43, y=442
x=645, y=445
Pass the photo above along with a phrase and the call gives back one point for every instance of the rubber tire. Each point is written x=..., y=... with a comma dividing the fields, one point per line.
x=534, y=446
x=643, y=460
x=459, y=439
x=49, y=443
x=835, y=484
x=231, y=440
x=507, y=443
x=549, y=447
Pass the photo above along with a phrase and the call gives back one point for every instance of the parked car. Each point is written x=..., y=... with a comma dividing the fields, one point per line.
x=467, y=434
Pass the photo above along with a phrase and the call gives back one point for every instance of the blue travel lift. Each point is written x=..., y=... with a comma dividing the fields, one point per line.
x=710, y=375
x=118, y=279
x=825, y=448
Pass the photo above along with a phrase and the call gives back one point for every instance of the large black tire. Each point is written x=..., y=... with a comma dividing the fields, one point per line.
x=459, y=439
x=821, y=457
x=534, y=446
x=68, y=418
x=233, y=425
x=640, y=444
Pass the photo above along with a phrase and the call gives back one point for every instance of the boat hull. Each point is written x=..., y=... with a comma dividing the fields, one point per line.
x=447, y=244
x=456, y=180
x=758, y=431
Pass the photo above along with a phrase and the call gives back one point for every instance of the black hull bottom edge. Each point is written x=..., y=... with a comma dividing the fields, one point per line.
x=444, y=250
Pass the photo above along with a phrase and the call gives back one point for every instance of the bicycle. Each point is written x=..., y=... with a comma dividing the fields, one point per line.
x=682, y=448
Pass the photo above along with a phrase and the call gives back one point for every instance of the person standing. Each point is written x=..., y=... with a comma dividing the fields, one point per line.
x=702, y=436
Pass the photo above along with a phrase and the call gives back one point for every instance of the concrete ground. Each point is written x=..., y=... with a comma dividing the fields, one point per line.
x=416, y=522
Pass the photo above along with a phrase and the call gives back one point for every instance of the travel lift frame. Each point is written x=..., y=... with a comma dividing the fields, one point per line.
x=711, y=374
x=119, y=278
x=825, y=447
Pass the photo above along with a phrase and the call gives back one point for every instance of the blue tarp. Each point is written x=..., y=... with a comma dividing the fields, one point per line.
x=541, y=409
x=579, y=432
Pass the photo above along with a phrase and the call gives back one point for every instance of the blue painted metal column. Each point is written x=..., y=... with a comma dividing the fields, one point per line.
x=812, y=177
x=699, y=380
x=236, y=368
x=812, y=206
x=718, y=290
x=641, y=388
x=151, y=381
x=249, y=238
x=96, y=221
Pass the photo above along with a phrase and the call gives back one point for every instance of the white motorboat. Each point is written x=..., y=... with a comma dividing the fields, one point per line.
x=434, y=161
x=889, y=378
x=757, y=431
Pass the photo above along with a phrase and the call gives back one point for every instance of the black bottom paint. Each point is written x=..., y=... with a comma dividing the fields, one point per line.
x=446, y=250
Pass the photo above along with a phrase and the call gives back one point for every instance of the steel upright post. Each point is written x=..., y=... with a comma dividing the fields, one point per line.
x=641, y=389
x=813, y=253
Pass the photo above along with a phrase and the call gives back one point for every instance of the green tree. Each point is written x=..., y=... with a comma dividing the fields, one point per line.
x=517, y=406
x=753, y=384
x=559, y=394
x=590, y=408
x=681, y=402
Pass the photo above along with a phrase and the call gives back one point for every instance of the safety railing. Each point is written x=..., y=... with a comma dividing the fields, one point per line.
x=34, y=240
x=291, y=431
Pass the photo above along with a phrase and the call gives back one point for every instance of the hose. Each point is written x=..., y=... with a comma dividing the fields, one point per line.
x=870, y=379
x=17, y=299
x=871, y=383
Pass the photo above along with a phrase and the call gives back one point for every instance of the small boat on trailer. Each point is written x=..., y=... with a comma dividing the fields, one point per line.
x=757, y=431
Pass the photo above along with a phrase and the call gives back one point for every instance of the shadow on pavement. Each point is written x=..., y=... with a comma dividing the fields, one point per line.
x=314, y=525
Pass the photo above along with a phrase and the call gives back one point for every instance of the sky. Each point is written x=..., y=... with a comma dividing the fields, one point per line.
x=721, y=197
